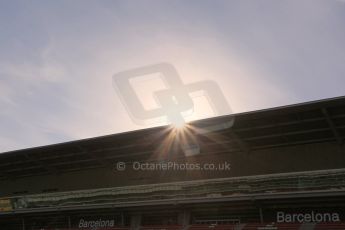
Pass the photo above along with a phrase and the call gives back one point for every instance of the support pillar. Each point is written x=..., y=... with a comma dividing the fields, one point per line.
x=69, y=222
x=23, y=224
x=135, y=221
x=261, y=215
x=184, y=218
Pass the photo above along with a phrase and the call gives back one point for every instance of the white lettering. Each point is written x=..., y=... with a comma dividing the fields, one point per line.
x=335, y=217
x=96, y=223
x=81, y=223
x=283, y=217
x=280, y=217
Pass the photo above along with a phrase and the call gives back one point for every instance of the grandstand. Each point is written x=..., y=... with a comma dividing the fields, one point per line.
x=287, y=171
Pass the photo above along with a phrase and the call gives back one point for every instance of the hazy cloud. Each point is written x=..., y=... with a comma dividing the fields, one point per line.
x=57, y=58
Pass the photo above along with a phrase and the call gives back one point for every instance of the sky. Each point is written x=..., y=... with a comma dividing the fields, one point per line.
x=57, y=58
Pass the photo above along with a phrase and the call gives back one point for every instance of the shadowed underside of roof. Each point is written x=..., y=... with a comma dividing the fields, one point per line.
x=307, y=123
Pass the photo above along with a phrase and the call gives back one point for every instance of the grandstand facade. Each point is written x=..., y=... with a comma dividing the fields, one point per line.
x=284, y=169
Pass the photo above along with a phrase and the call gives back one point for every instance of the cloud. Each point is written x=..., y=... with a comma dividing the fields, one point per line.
x=57, y=58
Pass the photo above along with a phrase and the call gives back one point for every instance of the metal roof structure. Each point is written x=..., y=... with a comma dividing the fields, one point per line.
x=306, y=123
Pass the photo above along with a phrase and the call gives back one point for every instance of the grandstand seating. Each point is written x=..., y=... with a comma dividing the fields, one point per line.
x=248, y=226
x=330, y=226
x=273, y=226
x=161, y=227
x=113, y=228
x=265, y=184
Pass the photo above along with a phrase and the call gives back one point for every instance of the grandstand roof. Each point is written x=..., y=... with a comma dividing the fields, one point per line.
x=312, y=122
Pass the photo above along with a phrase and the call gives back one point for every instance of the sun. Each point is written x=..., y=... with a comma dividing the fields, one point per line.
x=178, y=124
x=177, y=121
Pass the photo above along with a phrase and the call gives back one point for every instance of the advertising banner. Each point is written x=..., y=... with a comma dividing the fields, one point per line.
x=5, y=205
x=308, y=215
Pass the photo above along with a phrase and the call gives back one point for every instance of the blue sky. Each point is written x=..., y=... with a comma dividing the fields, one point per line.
x=57, y=58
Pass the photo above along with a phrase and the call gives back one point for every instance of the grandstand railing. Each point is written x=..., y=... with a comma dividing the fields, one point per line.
x=325, y=180
x=245, y=226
